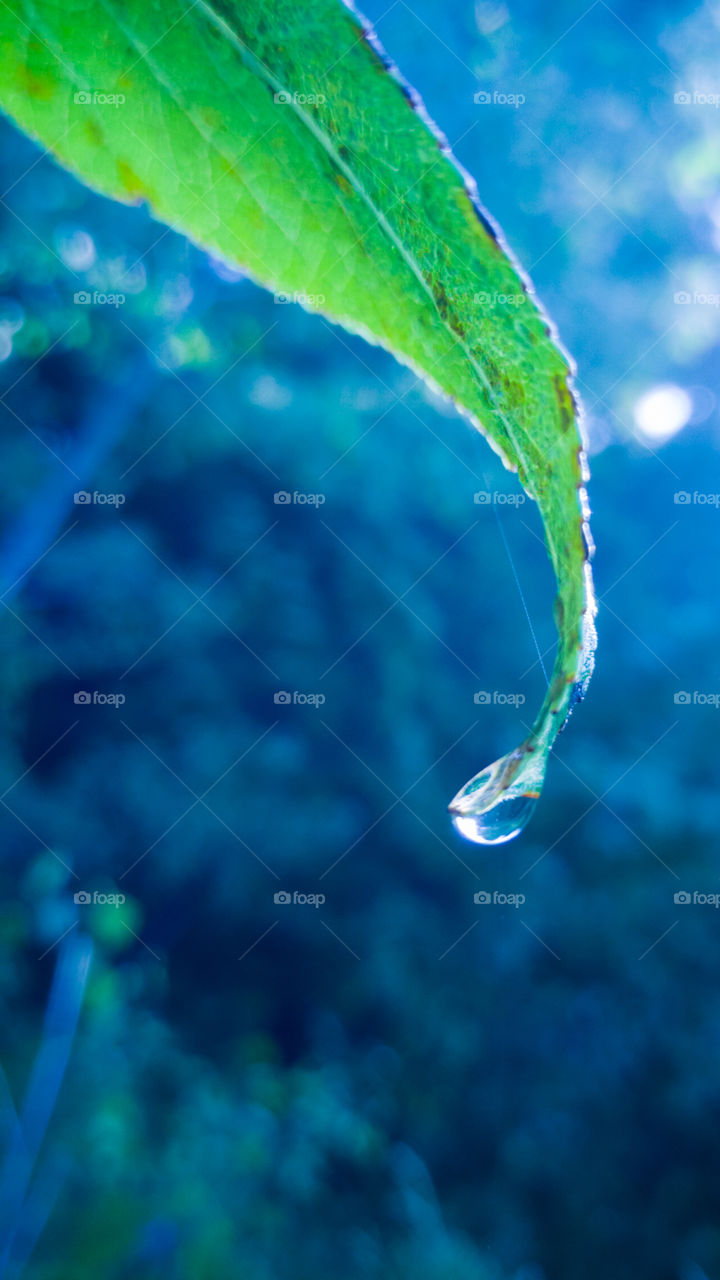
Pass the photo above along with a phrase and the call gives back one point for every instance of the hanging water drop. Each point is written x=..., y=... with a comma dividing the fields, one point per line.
x=497, y=803
x=502, y=822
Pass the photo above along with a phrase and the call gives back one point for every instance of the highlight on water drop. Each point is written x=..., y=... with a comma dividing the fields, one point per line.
x=498, y=803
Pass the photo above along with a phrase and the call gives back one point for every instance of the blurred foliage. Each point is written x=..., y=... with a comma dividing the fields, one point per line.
x=398, y=1082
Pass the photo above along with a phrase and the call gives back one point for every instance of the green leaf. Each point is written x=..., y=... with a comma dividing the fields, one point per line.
x=279, y=137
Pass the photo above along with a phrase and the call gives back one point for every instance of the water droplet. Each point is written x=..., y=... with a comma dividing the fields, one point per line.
x=502, y=822
x=497, y=803
x=587, y=539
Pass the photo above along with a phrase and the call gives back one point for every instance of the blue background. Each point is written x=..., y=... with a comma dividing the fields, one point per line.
x=399, y=1081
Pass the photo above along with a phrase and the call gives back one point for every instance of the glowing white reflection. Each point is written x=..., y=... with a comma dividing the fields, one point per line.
x=663, y=411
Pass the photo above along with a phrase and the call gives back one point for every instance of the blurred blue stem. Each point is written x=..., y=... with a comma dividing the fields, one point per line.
x=37, y=527
x=28, y=1129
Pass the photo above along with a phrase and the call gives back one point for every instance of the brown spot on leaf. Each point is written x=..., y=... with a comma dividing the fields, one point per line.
x=565, y=404
x=342, y=182
x=94, y=132
x=36, y=86
x=129, y=181
x=441, y=300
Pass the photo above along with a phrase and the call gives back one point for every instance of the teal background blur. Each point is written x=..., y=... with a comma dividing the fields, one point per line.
x=400, y=1081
